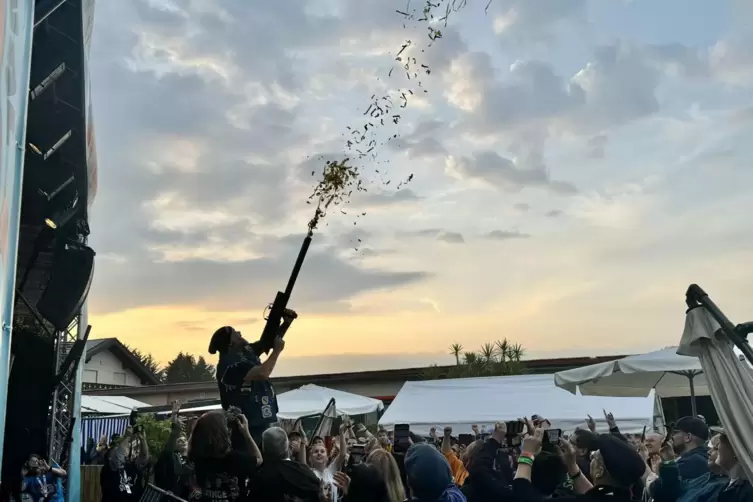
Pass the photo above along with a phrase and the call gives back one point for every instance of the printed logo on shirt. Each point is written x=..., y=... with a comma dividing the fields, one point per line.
x=266, y=411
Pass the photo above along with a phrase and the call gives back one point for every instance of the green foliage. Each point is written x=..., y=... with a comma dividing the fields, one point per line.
x=156, y=431
x=188, y=368
x=148, y=361
x=492, y=359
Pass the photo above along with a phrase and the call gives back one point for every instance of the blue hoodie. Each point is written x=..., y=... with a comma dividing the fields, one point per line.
x=429, y=476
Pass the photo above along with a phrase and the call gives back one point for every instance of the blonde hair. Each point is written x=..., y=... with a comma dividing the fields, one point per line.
x=384, y=462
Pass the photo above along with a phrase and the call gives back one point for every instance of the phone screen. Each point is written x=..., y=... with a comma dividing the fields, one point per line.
x=552, y=436
x=402, y=438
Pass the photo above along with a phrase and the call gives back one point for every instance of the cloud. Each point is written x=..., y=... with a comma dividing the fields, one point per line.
x=554, y=213
x=236, y=285
x=451, y=237
x=527, y=22
x=505, y=174
x=506, y=235
x=522, y=207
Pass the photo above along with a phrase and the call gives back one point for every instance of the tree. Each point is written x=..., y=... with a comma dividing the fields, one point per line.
x=187, y=368
x=148, y=360
x=456, y=349
x=492, y=359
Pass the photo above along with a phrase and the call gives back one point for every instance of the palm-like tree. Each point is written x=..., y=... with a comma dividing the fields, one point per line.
x=503, y=348
x=456, y=349
x=487, y=352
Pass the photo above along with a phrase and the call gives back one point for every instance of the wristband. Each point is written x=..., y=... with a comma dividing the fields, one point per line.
x=668, y=462
x=576, y=475
x=526, y=454
x=525, y=460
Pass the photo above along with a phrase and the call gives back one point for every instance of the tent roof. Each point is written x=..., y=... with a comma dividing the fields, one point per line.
x=463, y=402
x=110, y=405
x=310, y=400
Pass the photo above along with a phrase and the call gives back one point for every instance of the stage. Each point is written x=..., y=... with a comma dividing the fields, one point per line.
x=48, y=179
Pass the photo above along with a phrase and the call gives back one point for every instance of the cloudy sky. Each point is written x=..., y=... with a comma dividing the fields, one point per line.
x=576, y=164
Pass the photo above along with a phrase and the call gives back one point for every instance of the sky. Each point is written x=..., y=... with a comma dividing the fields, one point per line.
x=574, y=165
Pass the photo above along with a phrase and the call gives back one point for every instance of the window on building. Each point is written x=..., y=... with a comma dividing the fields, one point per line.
x=90, y=376
x=118, y=378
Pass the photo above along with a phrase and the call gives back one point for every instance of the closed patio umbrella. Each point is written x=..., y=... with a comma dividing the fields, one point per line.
x=711, y=337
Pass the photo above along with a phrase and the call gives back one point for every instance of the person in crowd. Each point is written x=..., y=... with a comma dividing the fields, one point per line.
x=243, y=380
x=298, y=443
x=725, y=480
x=583, y=441
x=42, y=482
x=384, y=462
x=122, y=475
x=673, y=486
x=459, y=473
x=653, y=444
x=384, y=440
x=324, y=469
x=549, y=473
x=281, y=479
x=221, y=470
x=364, y=484
x=615, y=468
x=687, y=446
x=429, y=476
x=173, y=470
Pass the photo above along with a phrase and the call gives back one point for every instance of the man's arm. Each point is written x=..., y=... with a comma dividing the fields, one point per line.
x=264, y=370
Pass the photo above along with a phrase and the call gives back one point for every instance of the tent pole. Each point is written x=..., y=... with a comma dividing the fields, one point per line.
x=694, y=411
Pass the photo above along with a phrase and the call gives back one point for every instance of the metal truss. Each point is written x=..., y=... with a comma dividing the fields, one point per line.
x=61, y=412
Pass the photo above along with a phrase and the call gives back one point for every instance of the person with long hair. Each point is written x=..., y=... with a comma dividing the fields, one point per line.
x=221, y=472
x=385, y=463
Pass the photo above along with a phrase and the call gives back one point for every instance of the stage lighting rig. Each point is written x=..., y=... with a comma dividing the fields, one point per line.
x=54, y=148
x=61, y=204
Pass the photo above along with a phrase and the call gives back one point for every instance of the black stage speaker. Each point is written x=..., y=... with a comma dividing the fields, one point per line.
x=71, y=278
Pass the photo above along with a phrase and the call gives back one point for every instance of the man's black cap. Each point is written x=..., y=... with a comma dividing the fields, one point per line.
x=220, y=340
x=694, y=426
x=623, y=463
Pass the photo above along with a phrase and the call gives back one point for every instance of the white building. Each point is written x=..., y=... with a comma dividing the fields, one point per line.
x=108, y=364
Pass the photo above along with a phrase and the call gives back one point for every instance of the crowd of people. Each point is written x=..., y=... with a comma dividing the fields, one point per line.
x=241, y=454
x=693, y=463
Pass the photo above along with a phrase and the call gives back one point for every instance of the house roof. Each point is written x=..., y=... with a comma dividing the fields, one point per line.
x=406, y=374
x=122, y=352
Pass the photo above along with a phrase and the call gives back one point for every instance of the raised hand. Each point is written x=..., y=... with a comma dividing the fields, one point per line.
x=611, y=422
x=532, y=442
x=591, y=423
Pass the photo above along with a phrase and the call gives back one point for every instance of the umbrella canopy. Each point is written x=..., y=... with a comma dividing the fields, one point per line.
x=665, y=371
x=729, y=379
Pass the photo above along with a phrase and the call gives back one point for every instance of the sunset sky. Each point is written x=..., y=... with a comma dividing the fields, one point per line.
x=577, y=164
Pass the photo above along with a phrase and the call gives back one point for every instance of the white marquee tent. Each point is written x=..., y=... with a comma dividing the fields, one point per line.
x=312, y=399
x=460, y=403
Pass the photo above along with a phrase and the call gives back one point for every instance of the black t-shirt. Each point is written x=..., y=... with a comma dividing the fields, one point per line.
x=222, y=480
x=119, y=485
x=257, y=400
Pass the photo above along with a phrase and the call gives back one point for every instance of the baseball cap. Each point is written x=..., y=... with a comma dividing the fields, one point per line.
x=621, y=460
x=694, y=426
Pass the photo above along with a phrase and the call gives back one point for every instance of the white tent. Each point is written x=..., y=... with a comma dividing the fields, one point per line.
x=110, y=405
x=665, y=371
x=311, y=400
x=460, y=403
